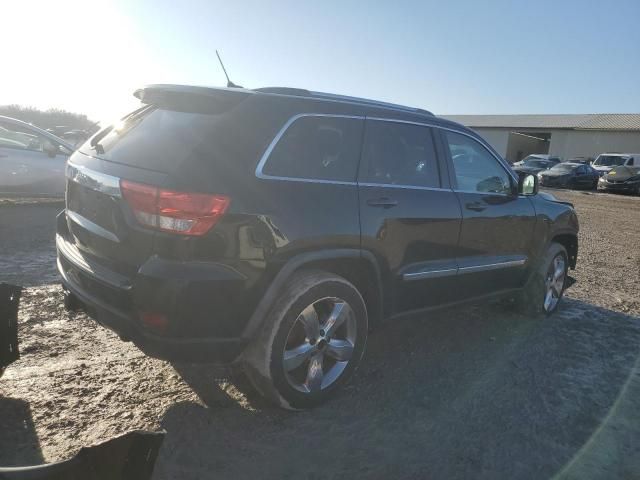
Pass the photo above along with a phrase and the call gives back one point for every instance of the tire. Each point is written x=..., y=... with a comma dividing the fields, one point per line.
x=545, y=281
x=294, y=330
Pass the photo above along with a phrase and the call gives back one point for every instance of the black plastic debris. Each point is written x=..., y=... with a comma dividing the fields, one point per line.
x=9, y=301
x=131, y=456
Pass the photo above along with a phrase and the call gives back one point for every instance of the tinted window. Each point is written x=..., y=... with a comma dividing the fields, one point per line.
x=320, y=148
x=476, y=169
x=399, y=154
x=581, y=170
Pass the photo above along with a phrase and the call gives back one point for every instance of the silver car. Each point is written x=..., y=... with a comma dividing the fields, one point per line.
x=32, y=161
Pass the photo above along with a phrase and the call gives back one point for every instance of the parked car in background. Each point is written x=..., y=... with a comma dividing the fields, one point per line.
x=32, y=160
x=606, y=161
x=621, y=179
x=538, y=156
x=271, y=229
x=533, y=166
x=569, y=175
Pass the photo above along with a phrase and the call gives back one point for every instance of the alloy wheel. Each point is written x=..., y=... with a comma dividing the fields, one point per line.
x=319, y=345
x=554, y=282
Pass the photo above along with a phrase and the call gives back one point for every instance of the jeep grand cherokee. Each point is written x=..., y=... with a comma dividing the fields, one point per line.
x=274, y=228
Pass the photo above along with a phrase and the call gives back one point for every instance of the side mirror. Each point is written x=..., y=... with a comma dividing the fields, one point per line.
x=527, y=184
x=50, y=148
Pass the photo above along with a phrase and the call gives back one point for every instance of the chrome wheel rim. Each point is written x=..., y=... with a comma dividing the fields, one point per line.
x=319, y=345
x=554, y=282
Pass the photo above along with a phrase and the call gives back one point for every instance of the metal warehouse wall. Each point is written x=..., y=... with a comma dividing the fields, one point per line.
x=588, y=143
x=498, y=138
x=570, y=143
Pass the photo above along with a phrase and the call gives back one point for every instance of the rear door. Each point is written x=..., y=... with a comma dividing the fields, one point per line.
x=497, y=223
x=410, y=218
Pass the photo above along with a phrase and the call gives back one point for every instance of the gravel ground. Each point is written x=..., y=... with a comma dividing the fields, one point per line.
x=478, y=392
x=27, y=241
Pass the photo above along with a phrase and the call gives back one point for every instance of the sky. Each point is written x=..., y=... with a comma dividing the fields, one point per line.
x=456, y=57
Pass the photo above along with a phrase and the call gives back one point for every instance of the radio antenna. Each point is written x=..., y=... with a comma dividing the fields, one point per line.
x=230, y=84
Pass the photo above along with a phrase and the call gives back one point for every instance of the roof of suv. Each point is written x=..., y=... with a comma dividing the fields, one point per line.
x=148, y=91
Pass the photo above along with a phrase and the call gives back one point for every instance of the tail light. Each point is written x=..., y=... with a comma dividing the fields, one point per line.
x=170, y=211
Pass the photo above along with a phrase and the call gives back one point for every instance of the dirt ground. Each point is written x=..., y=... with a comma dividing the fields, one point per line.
x=474, y=393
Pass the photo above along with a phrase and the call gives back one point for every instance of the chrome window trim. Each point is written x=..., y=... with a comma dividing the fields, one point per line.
x=265, y=156
x=279, y=135
x=405, y=187
x=488, y=193
x=98, y=181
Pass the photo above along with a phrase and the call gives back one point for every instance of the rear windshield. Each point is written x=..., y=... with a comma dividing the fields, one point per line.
x=156, y=139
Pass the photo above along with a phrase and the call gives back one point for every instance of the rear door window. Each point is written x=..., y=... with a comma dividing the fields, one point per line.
x=318, y=148
x=399, y=154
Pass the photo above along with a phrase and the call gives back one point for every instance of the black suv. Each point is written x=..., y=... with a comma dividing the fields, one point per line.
x=272, y=229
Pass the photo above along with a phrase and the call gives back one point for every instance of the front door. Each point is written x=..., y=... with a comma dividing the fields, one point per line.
x=497, y=223
x=410, y=218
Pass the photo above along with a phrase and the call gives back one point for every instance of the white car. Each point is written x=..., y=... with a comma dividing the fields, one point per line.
x=32, y=161
x=607, y=161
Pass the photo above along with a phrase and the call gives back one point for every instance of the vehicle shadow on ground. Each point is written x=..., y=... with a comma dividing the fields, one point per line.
x=19, y=445
x=474, y=393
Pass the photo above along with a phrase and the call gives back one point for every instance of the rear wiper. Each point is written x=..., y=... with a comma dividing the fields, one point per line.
x=99, y=136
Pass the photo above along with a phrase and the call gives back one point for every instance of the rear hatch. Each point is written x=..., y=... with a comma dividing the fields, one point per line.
x=167, y=144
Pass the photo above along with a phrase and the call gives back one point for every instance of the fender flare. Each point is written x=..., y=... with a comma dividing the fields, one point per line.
x=299, y=261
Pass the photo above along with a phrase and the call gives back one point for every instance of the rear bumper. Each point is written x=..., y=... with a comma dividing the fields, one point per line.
x=160, y=286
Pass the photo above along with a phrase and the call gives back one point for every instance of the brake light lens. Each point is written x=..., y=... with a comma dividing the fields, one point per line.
x=171, y=211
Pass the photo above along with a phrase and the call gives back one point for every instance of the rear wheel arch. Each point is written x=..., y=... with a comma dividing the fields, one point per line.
x=356, y=266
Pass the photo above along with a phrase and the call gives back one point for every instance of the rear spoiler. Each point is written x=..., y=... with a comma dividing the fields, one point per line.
x=192, y=99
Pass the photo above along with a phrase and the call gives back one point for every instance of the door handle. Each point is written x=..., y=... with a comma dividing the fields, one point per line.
x=475, y=206
x=383, y=202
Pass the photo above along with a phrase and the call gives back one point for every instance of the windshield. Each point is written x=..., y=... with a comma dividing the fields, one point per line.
x=610, y=160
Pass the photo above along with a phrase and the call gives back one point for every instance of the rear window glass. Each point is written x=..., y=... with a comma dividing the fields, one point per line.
x=318, y=148
x=158, y=139
x=400, y=154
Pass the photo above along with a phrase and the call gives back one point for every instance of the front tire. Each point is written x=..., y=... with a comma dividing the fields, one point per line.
x=311, y=343
x=544, y=290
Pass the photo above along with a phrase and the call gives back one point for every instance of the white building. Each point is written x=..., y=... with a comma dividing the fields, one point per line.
x=567, y=136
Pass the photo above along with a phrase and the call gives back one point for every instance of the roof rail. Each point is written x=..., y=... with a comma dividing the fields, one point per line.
x=300, y=92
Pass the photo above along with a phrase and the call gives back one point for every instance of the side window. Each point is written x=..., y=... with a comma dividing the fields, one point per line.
x=319, y=148
x=581, y=171
x=20, y=138
x=476, y=169
x=399, y=154
x=630, y=162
